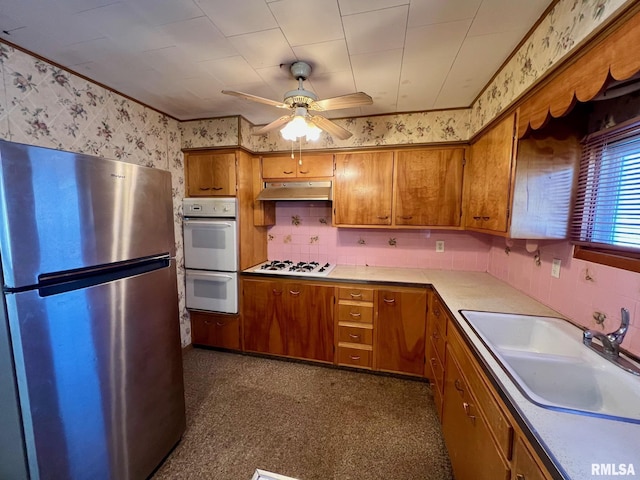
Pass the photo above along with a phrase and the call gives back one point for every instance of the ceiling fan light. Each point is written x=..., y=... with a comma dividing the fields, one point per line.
x=313, y=132
x=300, y=127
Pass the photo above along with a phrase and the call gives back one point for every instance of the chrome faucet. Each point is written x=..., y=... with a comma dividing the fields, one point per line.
x=610, y=341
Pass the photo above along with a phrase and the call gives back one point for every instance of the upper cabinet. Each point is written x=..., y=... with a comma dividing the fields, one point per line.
x=210, y=174
x=522, y=188
x=428, y=187
x=414, y=188
x=363, y=188
x=288, y=167
x=488, y=178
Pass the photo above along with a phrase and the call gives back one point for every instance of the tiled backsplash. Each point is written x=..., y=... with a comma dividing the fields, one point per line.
x=582, y=289
x=303, y=231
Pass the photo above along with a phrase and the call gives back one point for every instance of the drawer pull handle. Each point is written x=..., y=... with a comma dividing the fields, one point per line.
x=304, y=172
x=389, y=300
x=406, y=217
x=356, y=295
x=277, y=292
x=286, y=172
x=436, y=312
x=485, y=218
x=220, y=324
x=355, y=314
x=385, y=217
x=435, y=335
x=354, y=357
x=433, y=361
x=458, y=386
x=467, y=410
x=294, y=292
x=476, y=218
x=352, y=335
x=520, y=476
x=204, y=188
x=216, y=188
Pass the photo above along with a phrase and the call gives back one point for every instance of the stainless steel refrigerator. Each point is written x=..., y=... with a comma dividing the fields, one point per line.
x=91, y=380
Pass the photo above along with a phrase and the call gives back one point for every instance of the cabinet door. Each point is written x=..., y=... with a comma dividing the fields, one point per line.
x=314, y=166
x=471, y=449
x=215, y=330
x=262, y=316
x=429, y=187
x=211, y=174
x=524, y=466
x=363, y=188
x=308, y=310
x=401, y=331
x=488, y=178
x=278, y=167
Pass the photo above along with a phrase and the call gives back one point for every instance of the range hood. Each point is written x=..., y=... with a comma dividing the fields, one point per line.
x=296, y=191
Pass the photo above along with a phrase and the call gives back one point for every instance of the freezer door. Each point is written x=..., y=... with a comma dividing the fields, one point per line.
x=99, y=373
x=61, y=211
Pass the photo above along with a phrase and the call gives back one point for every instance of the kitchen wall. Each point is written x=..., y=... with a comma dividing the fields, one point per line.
x=582, y=289
x=303, y=232
x=43, y=105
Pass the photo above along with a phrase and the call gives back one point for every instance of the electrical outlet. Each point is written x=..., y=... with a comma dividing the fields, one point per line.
x=440, y=246
x=555, y=268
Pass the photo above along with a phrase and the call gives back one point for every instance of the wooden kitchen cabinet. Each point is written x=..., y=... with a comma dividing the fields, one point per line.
x=488, y=178
x=524, y=465
x=215, y=330
x=437, y=321
x=523, y=189
x=428, y=187
x=210, y=174
x=363, y=188
x=308, y=166
x=288, y=318
x=400, y=345
x=354, y=326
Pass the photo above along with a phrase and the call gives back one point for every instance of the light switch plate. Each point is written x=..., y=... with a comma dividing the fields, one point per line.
x=440, y=246
x=555, y=268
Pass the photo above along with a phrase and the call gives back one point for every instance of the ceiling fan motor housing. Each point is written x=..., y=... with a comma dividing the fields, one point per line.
x=300, y=70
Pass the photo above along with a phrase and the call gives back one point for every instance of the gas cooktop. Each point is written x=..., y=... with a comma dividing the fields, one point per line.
x=288, y=267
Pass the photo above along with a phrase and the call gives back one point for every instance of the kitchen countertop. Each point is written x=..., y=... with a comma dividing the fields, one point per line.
x=572, y=442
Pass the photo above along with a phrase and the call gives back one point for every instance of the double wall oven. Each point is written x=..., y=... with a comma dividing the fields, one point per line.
x=211, y=254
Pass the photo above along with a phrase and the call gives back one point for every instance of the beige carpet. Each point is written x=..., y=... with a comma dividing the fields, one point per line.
x=304, y=421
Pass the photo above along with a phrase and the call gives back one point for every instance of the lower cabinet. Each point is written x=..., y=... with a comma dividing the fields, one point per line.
x=402, y=317
x=215, y=330
x=288, y=318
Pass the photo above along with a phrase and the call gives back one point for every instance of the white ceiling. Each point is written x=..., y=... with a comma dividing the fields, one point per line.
x=177, y=55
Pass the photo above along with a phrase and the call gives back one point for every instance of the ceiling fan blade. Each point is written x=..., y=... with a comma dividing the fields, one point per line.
x=273, y=125
x=344, y=101
x=255, y=98
x=330, y=127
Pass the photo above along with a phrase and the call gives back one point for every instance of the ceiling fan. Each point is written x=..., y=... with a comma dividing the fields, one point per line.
x=300, y=102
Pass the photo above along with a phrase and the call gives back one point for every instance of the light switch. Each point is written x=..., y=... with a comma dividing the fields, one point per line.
x=555, y=268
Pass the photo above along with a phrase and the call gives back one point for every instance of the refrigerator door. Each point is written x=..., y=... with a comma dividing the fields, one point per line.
x=63, y=211
x=99, y=371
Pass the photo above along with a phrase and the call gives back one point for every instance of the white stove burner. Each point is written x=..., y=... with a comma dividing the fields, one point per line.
x=288, y=267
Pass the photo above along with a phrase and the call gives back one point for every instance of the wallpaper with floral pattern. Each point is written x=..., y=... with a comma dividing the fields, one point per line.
x=218, y=132
x=568, y=24
x=43, y=105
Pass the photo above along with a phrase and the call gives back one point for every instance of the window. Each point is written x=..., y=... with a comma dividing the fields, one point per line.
x=606, y=220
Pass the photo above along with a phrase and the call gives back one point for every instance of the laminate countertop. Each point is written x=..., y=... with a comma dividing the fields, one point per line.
x=571, y=442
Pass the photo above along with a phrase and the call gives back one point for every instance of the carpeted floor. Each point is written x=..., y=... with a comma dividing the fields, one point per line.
x=303, y=421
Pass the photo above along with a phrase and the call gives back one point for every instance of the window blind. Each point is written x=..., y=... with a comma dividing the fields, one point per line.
x=607, y=207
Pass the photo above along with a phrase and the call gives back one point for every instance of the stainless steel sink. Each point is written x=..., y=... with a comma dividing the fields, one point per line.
x=546, y=359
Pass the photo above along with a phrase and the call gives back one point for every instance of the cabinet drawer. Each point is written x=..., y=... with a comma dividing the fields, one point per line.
x=437, y=371
x=213, y=330
x=438, y=343
x=356, y=294
x=440, y=317
x=354, y=312
x=354, y=356
x=355, y=335
x=496, y=420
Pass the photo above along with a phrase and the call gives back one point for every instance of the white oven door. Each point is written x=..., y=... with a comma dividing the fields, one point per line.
x=211, y=244
x=212, y=291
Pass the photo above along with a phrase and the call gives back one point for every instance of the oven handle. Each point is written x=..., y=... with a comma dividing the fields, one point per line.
x=210, y=276
x=207, y=223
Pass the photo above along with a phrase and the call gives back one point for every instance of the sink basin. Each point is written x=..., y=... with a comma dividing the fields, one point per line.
x=546, y=359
